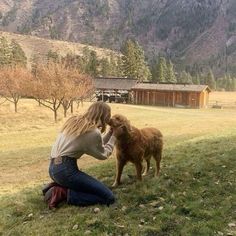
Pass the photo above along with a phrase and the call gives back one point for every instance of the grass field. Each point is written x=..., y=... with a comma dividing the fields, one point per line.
x=194, y=195
x=225, y=99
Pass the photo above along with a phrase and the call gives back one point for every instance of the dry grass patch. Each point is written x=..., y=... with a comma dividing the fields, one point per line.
x=27, y=136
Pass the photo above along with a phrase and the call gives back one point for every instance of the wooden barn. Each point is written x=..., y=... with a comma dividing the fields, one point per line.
x=172, y=95
x=114, y=89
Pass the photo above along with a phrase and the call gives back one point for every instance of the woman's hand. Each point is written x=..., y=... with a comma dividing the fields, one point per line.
x=118, y=131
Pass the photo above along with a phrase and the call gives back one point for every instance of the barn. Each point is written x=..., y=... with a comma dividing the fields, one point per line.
x=113, y=89
x=117, y=89
x=171, y=95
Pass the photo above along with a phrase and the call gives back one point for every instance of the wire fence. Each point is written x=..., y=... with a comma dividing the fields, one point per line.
x=221, y=104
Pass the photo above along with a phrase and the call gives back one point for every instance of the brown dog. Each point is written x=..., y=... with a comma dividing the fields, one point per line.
x=134, y=145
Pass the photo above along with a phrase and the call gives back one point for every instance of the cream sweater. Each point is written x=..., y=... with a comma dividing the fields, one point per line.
x=91, y=143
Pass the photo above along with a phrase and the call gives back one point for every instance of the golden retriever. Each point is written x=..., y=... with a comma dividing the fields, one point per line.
x=134, y=145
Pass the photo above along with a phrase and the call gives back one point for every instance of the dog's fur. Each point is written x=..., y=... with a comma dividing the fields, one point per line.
x=134, y=145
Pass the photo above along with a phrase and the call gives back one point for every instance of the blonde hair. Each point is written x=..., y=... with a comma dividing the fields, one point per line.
x=96, y=115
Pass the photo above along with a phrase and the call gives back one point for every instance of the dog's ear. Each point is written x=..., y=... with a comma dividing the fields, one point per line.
x=127, y=127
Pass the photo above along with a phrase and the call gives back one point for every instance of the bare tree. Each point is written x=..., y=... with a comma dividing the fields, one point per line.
x=78, y=85
x=55, y=85
x=12, y=83
x=2, y=100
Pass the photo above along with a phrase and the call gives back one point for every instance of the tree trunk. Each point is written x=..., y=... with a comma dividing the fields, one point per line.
x=15, y=104
x=65, y=112
x=55, y=115
x=72, y=107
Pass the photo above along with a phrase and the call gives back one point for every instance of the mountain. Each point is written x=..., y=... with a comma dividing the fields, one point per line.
x=38, y=48
x=193, y=33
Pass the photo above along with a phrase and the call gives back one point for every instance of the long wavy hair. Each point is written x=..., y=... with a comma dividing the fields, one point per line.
x=95, y=117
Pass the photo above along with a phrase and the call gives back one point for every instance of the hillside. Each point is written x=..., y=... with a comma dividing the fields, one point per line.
x=190, y=32
x=35, y=47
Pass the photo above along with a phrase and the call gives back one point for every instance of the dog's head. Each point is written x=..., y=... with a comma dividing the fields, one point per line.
x=120, y=121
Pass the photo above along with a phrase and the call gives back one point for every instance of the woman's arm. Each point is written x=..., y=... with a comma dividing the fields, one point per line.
x=97, y=148
x=107, y=136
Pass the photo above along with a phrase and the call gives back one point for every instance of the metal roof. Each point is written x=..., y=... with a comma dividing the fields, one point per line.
x=115, y=83
x=171, y=87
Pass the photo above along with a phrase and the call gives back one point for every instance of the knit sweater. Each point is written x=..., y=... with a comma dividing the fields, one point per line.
x=91, y=143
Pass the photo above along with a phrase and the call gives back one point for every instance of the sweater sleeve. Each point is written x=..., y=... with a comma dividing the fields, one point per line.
x=107, y=137
x=98, y=149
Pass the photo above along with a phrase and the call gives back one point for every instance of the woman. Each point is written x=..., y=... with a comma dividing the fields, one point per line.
x=80, y=135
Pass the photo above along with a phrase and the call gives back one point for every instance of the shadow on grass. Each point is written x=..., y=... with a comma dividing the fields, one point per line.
x=193, y=196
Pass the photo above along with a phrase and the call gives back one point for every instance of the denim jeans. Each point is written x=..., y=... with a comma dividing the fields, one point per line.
x=84, y=190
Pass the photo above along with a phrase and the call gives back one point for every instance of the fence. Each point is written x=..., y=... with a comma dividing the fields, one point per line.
x=221, y=104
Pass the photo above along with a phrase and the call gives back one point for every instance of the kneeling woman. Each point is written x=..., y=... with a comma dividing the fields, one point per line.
x=80, y=135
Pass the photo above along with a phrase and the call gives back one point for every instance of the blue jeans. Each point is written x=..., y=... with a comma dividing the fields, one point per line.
x=84, y=190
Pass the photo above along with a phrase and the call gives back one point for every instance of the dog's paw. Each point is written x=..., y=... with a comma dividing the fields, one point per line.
x=114, y=185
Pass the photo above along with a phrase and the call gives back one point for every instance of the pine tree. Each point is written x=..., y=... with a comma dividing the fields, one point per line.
x=105, y=67
x=170, y=73
x=92, y=66
x=196, y=79
x=133, y=61
x=185, y=78
x=210, y=80
x=5, y=52
x=119, y=67
x=228, y=82
x=18, y=56
x=233, y=84
x=128, y=59
x=113, y=70
x=161, y=69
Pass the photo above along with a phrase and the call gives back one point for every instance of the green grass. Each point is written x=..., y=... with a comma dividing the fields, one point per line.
x=195, y=193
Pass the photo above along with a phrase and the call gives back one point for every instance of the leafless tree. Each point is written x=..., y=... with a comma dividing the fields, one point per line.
x=77, y=86
x=56, y=84
x=12, y=83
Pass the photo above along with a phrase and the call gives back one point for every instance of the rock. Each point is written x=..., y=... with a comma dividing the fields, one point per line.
x=160, y=208
x=30, y=215
x=142, y=206
x=120, y=226
x=154, y=218
x=96, y=210
x=87, y=232
x=154, y=203
x=75, y=227
x=142, y=221
x=231, y=224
